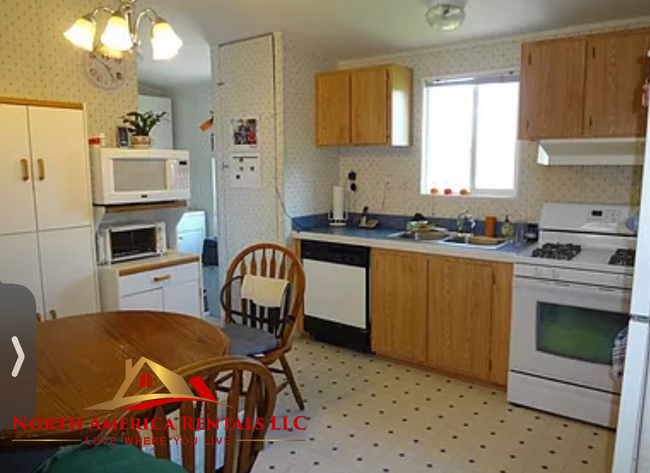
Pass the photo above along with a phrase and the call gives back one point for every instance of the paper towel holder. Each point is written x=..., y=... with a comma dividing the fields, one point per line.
x=338, y=217
x=339, y=222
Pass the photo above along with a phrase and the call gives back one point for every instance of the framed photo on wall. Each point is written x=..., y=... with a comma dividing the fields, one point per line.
x=245, y=133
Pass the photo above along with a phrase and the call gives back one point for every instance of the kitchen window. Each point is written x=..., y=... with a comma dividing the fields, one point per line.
x=470, y=135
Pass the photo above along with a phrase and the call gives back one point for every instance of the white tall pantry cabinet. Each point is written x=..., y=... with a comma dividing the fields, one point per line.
x=46, y=226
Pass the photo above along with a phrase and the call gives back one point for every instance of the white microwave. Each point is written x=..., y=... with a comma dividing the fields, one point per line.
x=130, y=176
x=129, y=242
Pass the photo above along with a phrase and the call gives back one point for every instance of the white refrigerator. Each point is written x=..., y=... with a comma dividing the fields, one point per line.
x=632, y=454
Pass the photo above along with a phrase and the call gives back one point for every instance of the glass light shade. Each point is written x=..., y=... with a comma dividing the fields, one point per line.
x=164, y=41
x=117, y=34
x=445, y=17
x=82, y=33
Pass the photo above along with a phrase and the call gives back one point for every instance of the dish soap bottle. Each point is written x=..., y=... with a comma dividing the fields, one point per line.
x=507, y=229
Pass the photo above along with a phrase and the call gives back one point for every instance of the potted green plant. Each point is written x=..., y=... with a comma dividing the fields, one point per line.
x=140, y=126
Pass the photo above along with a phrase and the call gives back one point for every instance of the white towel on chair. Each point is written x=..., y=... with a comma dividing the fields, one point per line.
x=263, y=291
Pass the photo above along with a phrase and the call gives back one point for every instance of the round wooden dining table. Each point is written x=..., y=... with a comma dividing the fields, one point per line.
x=81, y=360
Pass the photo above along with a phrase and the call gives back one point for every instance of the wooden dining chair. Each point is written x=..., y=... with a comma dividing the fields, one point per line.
x=263, y=333
x=39, y=317
x=257, y=401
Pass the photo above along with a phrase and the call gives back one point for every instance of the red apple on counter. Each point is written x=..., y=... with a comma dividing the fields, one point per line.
x=448, y=192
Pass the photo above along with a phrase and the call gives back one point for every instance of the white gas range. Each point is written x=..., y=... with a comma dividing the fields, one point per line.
x=571, y=299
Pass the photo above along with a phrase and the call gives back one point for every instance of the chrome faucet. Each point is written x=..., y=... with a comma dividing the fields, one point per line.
x=465, y=223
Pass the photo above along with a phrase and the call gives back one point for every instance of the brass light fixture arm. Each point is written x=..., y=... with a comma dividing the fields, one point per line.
x=149, y=13
x=101, y=9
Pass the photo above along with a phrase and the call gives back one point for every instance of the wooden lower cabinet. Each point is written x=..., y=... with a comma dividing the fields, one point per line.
x=399, y=305
x=460, y=309
x=501, y=315
x=451, y=314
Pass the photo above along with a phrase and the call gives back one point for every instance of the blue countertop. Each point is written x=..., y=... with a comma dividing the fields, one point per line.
x=378, y=238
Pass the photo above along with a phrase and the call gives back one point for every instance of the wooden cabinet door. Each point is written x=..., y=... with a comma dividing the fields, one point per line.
x=61, y=162
x=333, y=108
x=399, y=305
x=460, y=311
x=184, y=298
x=617, y=65
x=370, y=106
x=19, y=264
x=553, y=89
x=67, y=261
x=16, y=184
x=501, y=318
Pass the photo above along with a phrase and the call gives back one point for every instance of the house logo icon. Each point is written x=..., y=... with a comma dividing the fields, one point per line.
x=178, y=389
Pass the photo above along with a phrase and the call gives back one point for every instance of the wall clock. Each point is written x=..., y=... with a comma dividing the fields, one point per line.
x=105, y=72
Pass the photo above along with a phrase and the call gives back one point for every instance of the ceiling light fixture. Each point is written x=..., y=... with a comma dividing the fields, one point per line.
x=446, y=15
x=121, y=31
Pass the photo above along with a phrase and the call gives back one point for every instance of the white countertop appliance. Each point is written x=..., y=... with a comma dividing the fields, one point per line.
x=129, y=176
x=571, y=299
x=131, y=242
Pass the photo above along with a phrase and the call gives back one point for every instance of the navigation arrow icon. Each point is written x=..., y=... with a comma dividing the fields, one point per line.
x=21, y=356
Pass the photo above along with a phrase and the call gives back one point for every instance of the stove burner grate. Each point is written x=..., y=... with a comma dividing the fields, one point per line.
x=623, y=257
x=557, y=251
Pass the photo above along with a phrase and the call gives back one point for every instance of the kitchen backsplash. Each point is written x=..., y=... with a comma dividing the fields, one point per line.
x=308, y=172
x=389, y=179
x=37, y=62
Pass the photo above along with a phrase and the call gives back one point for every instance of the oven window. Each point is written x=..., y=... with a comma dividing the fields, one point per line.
x=140, y=175
x=133, y=243
x=578, y=333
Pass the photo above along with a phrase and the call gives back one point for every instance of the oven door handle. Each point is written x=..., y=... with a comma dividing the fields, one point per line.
x=566, y=287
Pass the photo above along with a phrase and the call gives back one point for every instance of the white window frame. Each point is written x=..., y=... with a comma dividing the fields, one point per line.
x=501, y=75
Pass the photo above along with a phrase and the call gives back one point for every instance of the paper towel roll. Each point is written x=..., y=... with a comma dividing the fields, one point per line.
x=338, y=207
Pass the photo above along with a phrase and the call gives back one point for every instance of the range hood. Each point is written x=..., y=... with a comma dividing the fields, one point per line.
x=592, y=152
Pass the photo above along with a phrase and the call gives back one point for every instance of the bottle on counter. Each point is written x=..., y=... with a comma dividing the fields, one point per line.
x=507, y=229
x=490, y=226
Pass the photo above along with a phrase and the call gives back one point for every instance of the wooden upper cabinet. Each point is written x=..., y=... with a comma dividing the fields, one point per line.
x=553, y=88
x=370, y=106
x=460, y=316
x=365, y=107
x=617, y=66
x=399, y=305
x=333, y=109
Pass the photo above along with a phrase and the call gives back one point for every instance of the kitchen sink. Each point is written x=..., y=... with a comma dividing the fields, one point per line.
x=419, y=236
x=478, y=241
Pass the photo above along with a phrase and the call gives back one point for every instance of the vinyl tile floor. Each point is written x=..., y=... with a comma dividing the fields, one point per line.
x=366, y=414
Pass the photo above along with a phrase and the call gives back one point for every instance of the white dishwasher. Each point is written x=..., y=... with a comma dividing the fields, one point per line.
x=336, y=300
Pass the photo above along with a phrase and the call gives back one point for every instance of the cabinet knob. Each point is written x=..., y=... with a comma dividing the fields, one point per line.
x=24, y=166
x=166, y=277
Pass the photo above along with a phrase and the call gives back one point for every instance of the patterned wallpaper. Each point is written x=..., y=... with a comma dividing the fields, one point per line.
x=271, y=78
x=243, y=75
x=37, y=62
x=309, y=172
x=389, y=179
x=191, y=105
